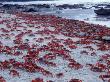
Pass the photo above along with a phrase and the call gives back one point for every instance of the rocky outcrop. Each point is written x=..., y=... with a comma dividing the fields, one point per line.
x=102, y=11
x=30, y=10
x=65, y=6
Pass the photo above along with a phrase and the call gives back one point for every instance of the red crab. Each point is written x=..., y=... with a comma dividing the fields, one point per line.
x=59, y=75
x=75, y=65
x=14, y=73
x=2, y=79
x=103, y=77
x=75, y=80
x=38, y=80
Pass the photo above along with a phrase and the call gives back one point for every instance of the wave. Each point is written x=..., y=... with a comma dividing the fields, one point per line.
x=54, y=1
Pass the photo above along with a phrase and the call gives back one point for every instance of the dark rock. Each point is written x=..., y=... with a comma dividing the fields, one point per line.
x=30, y=10
x=65, y=6
x=43, y=6
x=102, y=11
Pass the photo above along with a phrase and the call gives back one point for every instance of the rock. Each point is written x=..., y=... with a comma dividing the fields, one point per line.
x=65, y=6
x=102, y=11
x=43, y=6
x=31, y=10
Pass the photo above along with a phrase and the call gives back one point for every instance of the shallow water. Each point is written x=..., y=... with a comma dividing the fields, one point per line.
x=87, y=15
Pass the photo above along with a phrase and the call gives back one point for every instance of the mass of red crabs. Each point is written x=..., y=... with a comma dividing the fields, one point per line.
x=31, y=51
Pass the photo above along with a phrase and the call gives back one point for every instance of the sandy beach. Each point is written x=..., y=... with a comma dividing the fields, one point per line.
x=47, y=48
